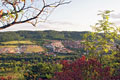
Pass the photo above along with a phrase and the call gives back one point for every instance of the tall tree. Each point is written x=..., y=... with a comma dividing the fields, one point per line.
x=102, y=44
x=103, y=40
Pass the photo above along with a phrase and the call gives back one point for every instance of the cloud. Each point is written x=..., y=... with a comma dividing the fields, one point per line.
x=117, y=22
x=60, y=23
x=115, y=16
x=50, y=25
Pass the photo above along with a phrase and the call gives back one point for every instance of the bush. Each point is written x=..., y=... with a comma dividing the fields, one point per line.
x=42, y=71
x=82, y=69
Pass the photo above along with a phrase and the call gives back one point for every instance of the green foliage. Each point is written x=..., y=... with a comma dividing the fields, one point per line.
x=15, y=65
x=9, y=36
x=42, y=70
x=40, y=35
x=103, y=38
x=101, y=44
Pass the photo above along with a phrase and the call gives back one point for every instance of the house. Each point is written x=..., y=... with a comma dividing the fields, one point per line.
x=57, y=46
x=73, y=44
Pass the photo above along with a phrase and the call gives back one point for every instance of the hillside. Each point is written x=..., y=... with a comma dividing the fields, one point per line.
x=39, y=35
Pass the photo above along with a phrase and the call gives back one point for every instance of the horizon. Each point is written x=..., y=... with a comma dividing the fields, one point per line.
x=42, y=31
x=78, y=15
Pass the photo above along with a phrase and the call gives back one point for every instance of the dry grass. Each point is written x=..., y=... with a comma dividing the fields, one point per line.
x=17, y=42
x=8, y=46
x=34, y=49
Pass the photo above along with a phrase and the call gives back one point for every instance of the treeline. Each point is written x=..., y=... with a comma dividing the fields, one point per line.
x=39, y=35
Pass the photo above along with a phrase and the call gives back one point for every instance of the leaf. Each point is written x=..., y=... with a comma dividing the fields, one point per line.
x=8, y=11
x=112, y=40
x=1, y=12
x=107, y=17
x=23, y=0
x=106, y=50
x=107, y=11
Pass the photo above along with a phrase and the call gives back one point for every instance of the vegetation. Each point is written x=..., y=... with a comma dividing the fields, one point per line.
x=104, y=47
x=99, y=62
x=9, y=46
x=17, y=66
x=40, y=35
x=34, y=49
x=42, y=70
x=17, y=42
x=83, y=69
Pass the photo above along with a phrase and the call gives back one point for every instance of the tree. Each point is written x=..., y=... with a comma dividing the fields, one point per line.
x=103, y=40
x=31, y=11
x=42, y=70
x=102, y=43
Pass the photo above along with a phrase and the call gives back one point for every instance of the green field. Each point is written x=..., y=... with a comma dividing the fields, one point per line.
x=17, y=42
x=8, y=46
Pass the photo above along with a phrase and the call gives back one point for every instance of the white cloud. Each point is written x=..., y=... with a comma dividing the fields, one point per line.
x=49, y=25
x=115, y=16
x=59, y=22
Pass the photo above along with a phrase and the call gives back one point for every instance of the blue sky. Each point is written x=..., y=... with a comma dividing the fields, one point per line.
x=76, y=16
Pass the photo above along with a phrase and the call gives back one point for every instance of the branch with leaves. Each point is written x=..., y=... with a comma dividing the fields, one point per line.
x=104, y=39
x=31, y=11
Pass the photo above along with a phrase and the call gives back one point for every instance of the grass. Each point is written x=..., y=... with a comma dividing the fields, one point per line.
x=8, y=46
x=28, y=48
x=17, y=42
x=34, y=49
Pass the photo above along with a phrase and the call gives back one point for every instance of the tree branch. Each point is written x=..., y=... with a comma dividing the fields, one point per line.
x=16, y=11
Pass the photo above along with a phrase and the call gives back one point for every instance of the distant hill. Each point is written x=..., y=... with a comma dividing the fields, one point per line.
x=39, y=35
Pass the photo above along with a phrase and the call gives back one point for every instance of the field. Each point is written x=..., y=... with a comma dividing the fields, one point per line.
x=20, y=46
x=17, y=42
x=8, y=46
x=33, y=49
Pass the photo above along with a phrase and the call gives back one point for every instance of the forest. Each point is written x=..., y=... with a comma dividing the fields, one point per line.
x=41, y=35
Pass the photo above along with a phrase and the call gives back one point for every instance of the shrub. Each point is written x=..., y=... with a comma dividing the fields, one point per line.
x=82, y=69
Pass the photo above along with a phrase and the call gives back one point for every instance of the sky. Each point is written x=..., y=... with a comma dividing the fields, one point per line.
x=79, y=15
